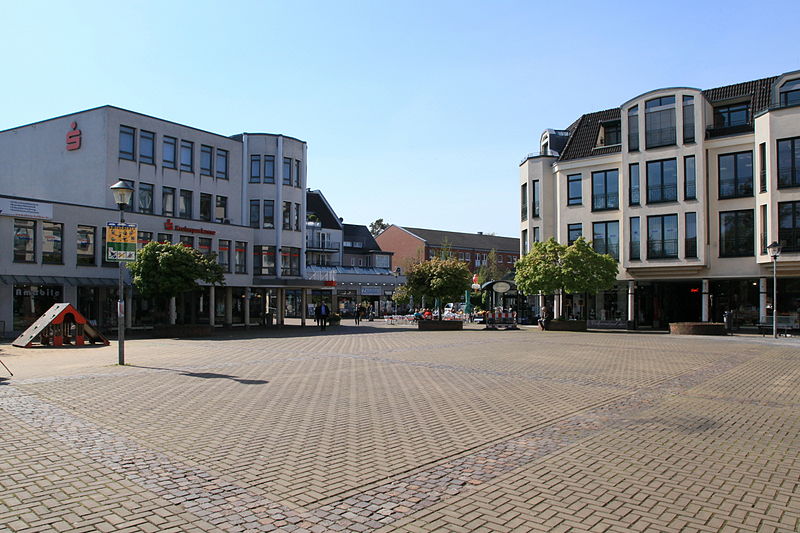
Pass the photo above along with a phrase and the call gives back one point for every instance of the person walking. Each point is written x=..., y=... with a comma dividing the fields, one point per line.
x=317, y=314
x=544, y=318
x=358, y=315
x=323, y=315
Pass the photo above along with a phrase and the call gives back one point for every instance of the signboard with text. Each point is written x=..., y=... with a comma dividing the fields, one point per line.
x=25, y=209
x=120, y=242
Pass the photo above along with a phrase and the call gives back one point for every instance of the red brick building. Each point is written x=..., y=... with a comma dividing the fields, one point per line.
x=412, y=244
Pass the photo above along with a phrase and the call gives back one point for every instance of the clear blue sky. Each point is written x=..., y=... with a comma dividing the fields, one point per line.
x=415, y=112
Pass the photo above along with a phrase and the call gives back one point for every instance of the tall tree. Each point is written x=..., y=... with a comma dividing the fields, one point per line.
x=377, y=227
x=445, y=279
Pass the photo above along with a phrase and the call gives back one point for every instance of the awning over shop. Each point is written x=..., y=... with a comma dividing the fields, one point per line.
x=16, y=279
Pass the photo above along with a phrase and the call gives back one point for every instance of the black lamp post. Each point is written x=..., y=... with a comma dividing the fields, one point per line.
x=122, y=196
x=774, y=250
x=396, y=274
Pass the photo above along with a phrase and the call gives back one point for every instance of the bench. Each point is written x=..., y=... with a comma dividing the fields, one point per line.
x=785, y=325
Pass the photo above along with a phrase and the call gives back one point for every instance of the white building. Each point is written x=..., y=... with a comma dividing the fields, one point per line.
x=685, y=187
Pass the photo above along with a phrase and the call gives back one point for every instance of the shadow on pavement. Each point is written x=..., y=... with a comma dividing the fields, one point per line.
x=206, y=375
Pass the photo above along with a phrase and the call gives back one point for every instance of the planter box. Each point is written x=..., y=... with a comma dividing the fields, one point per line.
x=183, y=331
x=697, y=328
x=567, y=325
x=440, y=325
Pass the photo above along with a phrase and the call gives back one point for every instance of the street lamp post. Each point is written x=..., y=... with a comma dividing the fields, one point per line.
x=774, y=251
x=396, y=274
x=122, y=195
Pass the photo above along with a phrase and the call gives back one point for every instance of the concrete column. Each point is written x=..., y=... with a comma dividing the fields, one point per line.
x=281, y=306
x=557, y=305
x=247, y=307
x=706, y=300
x=212, y=309
x=228, y=306
x=173, y=311
x=304, y=305
x=334, y=301
x=762, y=300
x=631, y=303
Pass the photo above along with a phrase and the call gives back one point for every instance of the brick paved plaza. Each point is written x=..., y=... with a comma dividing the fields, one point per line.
x=384, y=428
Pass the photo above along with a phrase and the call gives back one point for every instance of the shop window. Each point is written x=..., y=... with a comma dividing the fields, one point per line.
x=52, y=243
x=240, y=258
x=24, y=241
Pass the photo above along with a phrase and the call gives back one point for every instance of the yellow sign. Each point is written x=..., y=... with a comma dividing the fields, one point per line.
x=121, y=241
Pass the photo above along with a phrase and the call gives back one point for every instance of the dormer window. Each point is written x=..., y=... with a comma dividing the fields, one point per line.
x=790, y=93
x=732, y=115
x=610, y=133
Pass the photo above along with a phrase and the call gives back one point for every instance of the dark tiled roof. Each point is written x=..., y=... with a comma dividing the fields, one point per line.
x=758, y=91
x=465, y=240
x=317, y=206
x=584, y=138
x=355, y=233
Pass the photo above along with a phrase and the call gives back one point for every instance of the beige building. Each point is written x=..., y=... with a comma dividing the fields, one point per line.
x=685, y=188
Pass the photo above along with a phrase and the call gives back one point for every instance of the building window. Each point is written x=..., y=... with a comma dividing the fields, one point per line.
x=789, y=226
x=146, y=198
x=605, y=238
x=147, y=147
x=662, y=181
x=85, y=245
x=52, y=243
x=127, y=143
x=689, y=178
x=240, y=258
x=535, y=199
x=659, y=122
x=297, y=217
x=221, y=211
x=185, y=204
x=287, y=171
x=269, y=169
x=736, y=175
x=290, y=261
x=204, y=245
x=688, y=119
x=168, y=148
x=297, y=173
x=790, y=93
x=524, y=240
x=764, y=241
x=574, y=231
x=789, y=163
x=524, y=202
x=187, y=156
x=206, y=160
x=205, y=206
x=611, y=133
x=269, y=214
x=633, y=171
x=762, y=167
x=634, y=250
x=691, y=235
x=224, y=255
x=143, y=237
x=264, y=260
x=633, y=129
x=255, y=212
x=222, y=164
x=255, y=169
x=186, y=240
x=736, y=233
x=168, y=201
x=165, y=238
x=536, y=236
x=287, y=215
x=731, y=115
x=662, y=237
x=574, y=190
x=605, y=190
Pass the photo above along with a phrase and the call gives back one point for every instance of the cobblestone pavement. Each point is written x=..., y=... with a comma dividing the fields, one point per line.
x=384, y=428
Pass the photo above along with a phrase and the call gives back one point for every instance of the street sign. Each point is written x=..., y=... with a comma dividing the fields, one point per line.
x=120, y=242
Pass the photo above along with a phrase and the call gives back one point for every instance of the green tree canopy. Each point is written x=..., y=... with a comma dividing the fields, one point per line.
x=401, y=295
x=445, y=279
x=550, y=267
x=377, y=227
x=164, y=270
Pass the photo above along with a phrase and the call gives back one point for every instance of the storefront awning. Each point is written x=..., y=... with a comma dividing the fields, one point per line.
x=7, y=279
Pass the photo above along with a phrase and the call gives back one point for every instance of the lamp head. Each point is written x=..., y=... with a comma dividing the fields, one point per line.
x=122, y=193
x=774, y=250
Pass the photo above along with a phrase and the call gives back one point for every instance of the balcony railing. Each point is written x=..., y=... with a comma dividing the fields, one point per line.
x=739, y=247
x=788, y=178
x=635, y=198
x=662, y=193
x=763, y=241
x=635, y=246
x=763, y=180
x=662, y=249
x=610, y=248
x=321, y=244
x=605, y=201
x=659, y=137
x=789, y=239
x=691, y=191
x=691, y=246
x=732, y=189
x=721, y=131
